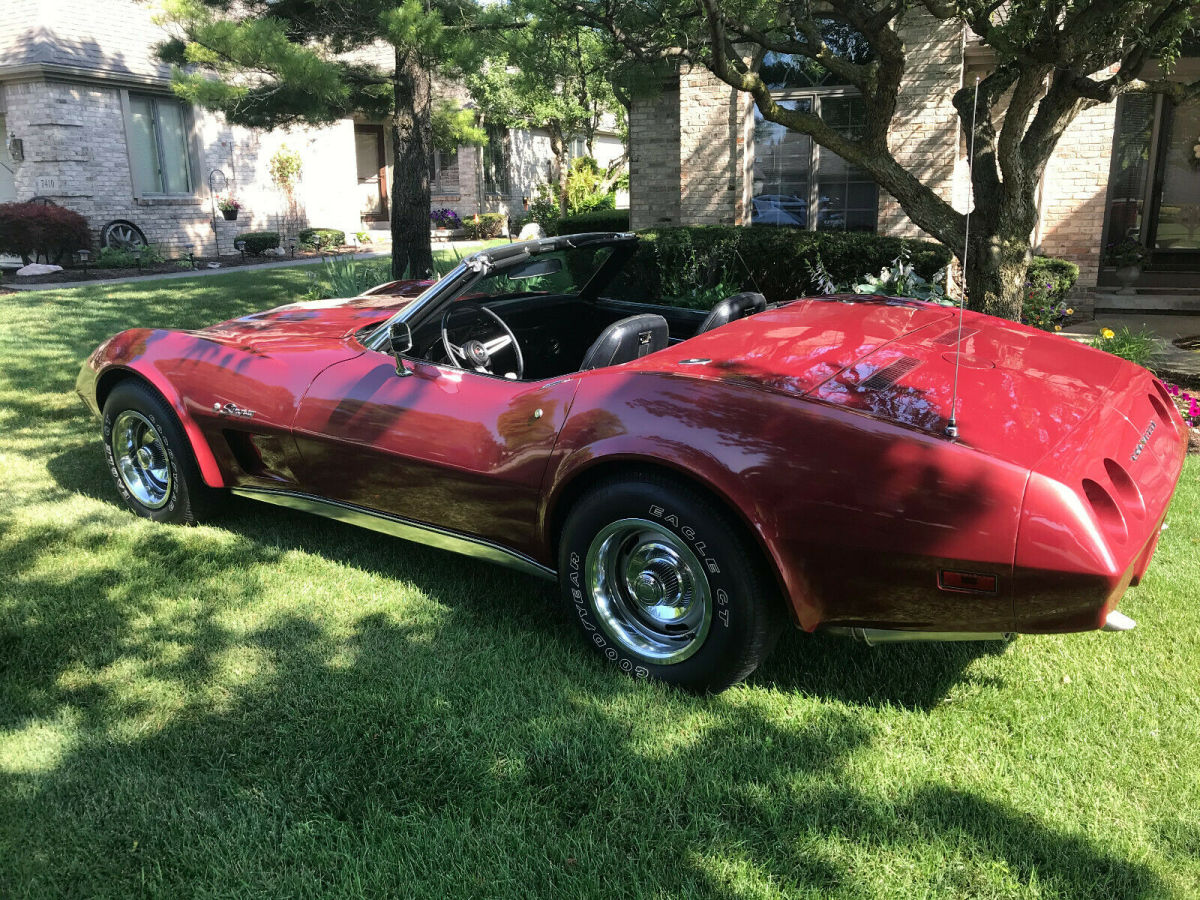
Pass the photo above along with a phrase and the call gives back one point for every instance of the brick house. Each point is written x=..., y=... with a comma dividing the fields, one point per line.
x=89, y=108
x=699, y=153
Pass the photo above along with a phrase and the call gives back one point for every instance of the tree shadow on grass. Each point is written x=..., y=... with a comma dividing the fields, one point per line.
x=396, y=761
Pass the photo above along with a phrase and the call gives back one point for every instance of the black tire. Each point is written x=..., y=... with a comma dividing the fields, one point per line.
x=604, y=533
x=185, y=499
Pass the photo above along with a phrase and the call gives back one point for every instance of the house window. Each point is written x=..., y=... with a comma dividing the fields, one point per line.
x=157, y=131
x=578, y=147
x=444, y=178
x=495, y=162
x=798, y=183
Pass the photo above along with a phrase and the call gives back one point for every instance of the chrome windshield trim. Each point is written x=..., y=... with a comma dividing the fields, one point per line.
x=397, y=526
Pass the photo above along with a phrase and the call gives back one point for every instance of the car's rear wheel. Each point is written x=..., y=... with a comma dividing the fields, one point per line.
x=665, y=584
x=150, y=459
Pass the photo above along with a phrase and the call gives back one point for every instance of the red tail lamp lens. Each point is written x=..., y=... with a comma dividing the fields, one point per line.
x=1161, y=408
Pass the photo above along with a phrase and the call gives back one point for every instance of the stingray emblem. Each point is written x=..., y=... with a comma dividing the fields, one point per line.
x=229, y=409
x=1141, y=445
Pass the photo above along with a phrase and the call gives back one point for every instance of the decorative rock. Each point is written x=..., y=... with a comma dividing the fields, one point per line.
x=38, y=269
x=275, y=251
x=531, y=232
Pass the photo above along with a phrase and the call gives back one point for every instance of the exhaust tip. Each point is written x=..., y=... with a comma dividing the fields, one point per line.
x=1117, y=621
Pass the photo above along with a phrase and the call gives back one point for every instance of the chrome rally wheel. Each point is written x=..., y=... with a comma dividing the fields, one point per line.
x=665, y=583
x=141, y=459
x=650, y=591
x=150, y=459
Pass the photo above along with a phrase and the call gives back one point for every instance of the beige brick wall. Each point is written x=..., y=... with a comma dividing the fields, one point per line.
x=712, y=145
x=924, y=137
x=1075, y=190
x=654, y=164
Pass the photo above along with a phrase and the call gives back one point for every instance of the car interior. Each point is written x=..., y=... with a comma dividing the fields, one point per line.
x=558, y=332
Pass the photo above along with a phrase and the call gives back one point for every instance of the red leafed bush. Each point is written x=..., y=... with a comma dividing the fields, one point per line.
x=30, y=229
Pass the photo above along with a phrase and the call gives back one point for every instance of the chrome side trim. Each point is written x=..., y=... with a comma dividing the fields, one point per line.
x=397, y=526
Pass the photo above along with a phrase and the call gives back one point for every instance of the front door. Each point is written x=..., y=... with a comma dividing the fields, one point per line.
x=372, y=172
x=442, y=446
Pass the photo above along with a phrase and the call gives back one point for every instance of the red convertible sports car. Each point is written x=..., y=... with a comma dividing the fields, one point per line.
x=693, y=480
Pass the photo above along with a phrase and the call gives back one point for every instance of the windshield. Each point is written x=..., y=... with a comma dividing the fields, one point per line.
x=557, y=272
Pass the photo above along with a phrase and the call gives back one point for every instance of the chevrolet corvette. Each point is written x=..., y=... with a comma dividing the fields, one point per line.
x=694, y=480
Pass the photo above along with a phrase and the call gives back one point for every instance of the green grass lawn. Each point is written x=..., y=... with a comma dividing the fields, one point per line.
x=283, y=706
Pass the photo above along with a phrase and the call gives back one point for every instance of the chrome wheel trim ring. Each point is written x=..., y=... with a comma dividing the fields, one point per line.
x=141, y=460
x=649, y=590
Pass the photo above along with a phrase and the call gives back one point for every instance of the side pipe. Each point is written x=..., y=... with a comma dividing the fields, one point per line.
x=875, y=636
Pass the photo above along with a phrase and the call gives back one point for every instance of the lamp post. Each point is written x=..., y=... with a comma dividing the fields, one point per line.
x=83, y=256
x=292, y=247
x=241, y=248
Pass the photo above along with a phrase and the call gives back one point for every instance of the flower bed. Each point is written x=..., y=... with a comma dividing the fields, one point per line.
x=1189, y=407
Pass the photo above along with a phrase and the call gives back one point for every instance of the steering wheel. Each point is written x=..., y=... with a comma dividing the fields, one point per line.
x=474, y=354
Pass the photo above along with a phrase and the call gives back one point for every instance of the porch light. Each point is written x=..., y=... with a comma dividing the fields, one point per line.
x=16, y=148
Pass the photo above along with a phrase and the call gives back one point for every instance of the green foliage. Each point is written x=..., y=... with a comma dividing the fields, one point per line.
x=285, y=167
x=327, y=237
x=1125, y=252
x=258, y=241
x=454, y=127
x=345, y=276
x=1139, y=347
x=775, y=260
x=118, y=258
x=1047, y=286
x=900, y=279
x=586, y=187
x=597, y=220
x=544, y=209
x=484, y=226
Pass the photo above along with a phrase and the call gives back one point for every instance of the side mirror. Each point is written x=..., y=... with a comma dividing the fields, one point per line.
x=400, y=338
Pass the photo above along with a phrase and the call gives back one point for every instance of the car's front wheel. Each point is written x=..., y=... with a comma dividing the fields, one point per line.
x=665, y=584
x=150, y=459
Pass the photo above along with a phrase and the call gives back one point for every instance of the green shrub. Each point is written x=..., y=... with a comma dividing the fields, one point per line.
x=484, y=226
x=258, y=241
x=329, y=237
x=345, y=276
x=1137, y=347
x=595, y=220
x=1047, y=285
x=685, y=264
x=544, y=209
x=120, y=258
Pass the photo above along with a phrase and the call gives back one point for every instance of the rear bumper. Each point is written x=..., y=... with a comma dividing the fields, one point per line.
x=1094, y=510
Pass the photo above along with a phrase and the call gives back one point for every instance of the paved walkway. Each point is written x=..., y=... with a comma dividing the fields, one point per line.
x=1171, y=362
x=465, y=248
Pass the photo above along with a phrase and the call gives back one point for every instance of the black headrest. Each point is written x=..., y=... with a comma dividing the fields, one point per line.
x=735, y=307
x=626, y=340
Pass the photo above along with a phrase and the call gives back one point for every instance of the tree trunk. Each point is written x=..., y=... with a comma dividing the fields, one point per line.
x=412, y=158
x=999, y=253
x=558, y=146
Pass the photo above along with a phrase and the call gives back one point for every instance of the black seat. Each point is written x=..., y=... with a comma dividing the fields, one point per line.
x=736, y=307
x=626, y=340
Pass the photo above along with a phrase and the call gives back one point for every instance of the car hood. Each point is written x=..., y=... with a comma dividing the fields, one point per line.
x=1020, y=390
x=317, y=320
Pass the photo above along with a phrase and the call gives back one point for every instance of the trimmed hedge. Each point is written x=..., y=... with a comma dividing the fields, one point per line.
x=330, y=237
x=1052, y=275
x=485, y=226
x=28, y=230
x=258, y=241
x=766, y=258
x=594, y=220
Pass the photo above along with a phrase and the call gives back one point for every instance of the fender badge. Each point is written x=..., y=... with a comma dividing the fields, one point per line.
x=1141, y=445
x=229, y=409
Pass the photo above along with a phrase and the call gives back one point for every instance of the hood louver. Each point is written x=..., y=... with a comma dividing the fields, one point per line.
x=890, y=374
x=951, y=337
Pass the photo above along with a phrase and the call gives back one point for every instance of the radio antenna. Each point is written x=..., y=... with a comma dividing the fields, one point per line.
x=952, y=425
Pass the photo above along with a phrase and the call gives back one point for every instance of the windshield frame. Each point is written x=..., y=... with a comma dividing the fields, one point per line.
x=487, y=262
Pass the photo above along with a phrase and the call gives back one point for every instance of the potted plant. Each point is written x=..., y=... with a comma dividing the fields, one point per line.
x=444, y=221
x=1127, y=255
x=228, y=207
